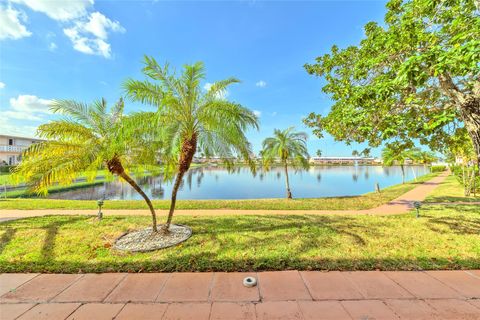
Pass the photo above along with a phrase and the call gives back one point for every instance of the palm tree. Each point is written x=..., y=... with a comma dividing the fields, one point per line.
x=397, y=154
x=355, y=153
x=192, y=119
x=86, y=138
x=319, y=153
x=290, y=148
x=426, y=157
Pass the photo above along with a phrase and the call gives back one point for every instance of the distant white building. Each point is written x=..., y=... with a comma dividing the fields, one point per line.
x=11, y=148
x=343, y=160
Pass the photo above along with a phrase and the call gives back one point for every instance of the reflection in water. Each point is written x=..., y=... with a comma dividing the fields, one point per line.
x=217, y=183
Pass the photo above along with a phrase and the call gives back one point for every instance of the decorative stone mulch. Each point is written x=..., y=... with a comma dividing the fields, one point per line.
x=147, y=240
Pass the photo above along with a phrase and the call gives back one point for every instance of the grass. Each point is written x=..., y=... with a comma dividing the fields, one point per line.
x=445, y=237
x=450, y=191
x=366, y=201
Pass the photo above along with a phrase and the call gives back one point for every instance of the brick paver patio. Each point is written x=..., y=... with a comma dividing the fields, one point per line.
x=278, y=295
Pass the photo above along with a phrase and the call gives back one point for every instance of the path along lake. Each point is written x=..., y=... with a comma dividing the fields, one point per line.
x=215, y=182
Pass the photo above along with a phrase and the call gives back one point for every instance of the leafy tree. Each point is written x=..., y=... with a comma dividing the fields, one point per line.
x=290, y=148
x=426, y=157
x=191, y=119
x=417, y=76
x=86, y=138
x=396, y=153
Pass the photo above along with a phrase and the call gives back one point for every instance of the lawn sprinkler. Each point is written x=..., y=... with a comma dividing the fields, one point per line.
x=100, y=204
x=417, y=205
x=249, y=282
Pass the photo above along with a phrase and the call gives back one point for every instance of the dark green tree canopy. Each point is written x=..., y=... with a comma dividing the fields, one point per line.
x=414, y=77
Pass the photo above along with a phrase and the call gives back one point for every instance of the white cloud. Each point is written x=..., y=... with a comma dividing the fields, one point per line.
x=257, y=113
x=30, y=104
x=2, y=85
x=23, y=108
x=11, y=24
x=89, y=36
x=52, y=46
x=61, y=10
x=20, y=115
x=274, y=113
x=261, y=84
x=7, y=127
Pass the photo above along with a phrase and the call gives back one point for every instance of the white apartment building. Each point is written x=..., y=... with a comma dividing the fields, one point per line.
x=11, y=148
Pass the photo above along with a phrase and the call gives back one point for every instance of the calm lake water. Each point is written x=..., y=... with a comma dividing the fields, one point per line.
x=217, y=183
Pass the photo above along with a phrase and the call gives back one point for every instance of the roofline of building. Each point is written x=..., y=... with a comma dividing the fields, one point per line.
x=19, y=137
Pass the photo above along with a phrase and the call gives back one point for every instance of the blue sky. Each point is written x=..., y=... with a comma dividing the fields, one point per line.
x=84, y=50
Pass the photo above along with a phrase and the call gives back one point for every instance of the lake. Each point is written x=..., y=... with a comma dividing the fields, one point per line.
x=215, y=182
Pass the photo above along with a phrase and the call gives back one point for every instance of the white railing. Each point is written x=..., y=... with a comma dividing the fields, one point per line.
x=7, y=148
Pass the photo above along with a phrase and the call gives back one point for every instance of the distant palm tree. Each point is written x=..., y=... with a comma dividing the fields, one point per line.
x=396, y=154
x=290, y=148
x=193, y=119
x=319, y=153
x=355, y=153
x=87, y=138
x=426, y=157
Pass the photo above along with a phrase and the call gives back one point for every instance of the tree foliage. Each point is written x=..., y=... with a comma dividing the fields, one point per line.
x=192, y=119
x=289, y=148
x=85, y=139
x=414, y=77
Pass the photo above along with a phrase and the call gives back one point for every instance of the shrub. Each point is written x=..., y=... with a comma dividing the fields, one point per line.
x=440, y=168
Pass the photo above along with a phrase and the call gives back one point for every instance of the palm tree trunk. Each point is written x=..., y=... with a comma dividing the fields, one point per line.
x=287, y=182
x=178, y=181
x=135, y=186
x=115, y=167
x=403, y=173
x=189, y=147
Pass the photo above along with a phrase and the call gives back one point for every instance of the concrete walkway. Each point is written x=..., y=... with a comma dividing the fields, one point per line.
x=402, y=204
x=278, y=295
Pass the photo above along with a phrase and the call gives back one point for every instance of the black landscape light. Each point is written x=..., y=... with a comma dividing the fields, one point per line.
x=100, y=204
x=417, y=205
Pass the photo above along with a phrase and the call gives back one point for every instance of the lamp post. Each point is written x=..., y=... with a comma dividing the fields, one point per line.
x=417, y=205
x=100, y=204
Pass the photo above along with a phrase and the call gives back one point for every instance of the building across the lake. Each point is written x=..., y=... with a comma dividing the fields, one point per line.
x=11, y=148
x=344, y=160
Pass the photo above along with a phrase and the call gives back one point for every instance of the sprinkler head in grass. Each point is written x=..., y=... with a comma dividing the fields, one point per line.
x=249, y=282
x=100, y=204
x=417, y=205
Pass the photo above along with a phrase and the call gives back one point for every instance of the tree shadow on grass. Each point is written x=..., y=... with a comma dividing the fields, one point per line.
x=6, y=238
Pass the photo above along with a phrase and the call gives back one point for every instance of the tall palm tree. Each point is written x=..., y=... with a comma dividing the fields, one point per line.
x=86, y=138
x=397, y=154
x=290, y=148
x=192, y=119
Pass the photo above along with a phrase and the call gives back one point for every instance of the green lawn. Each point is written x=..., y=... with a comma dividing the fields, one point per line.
x=369, y=200
x=445, y=237
x=450, y=191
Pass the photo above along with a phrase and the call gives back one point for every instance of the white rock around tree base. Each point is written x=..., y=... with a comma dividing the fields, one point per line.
x=147, y=240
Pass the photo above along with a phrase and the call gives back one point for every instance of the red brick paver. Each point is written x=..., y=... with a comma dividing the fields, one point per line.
x=97, y=311
x=188, y=311
x=323, y=310
x=330, y=285
x=150, y=311
x=138, y=288
x=229, y=287
x=461, y=281
x=91, y=288
x=14, y=280
x=369, y=309
x=278, y=310
x=282, y=285
x=422, y=285
x=187, y=286
x=51, y=311
x=232, y=311
x=42, y=288
x=10, y=311
x=279, y=295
